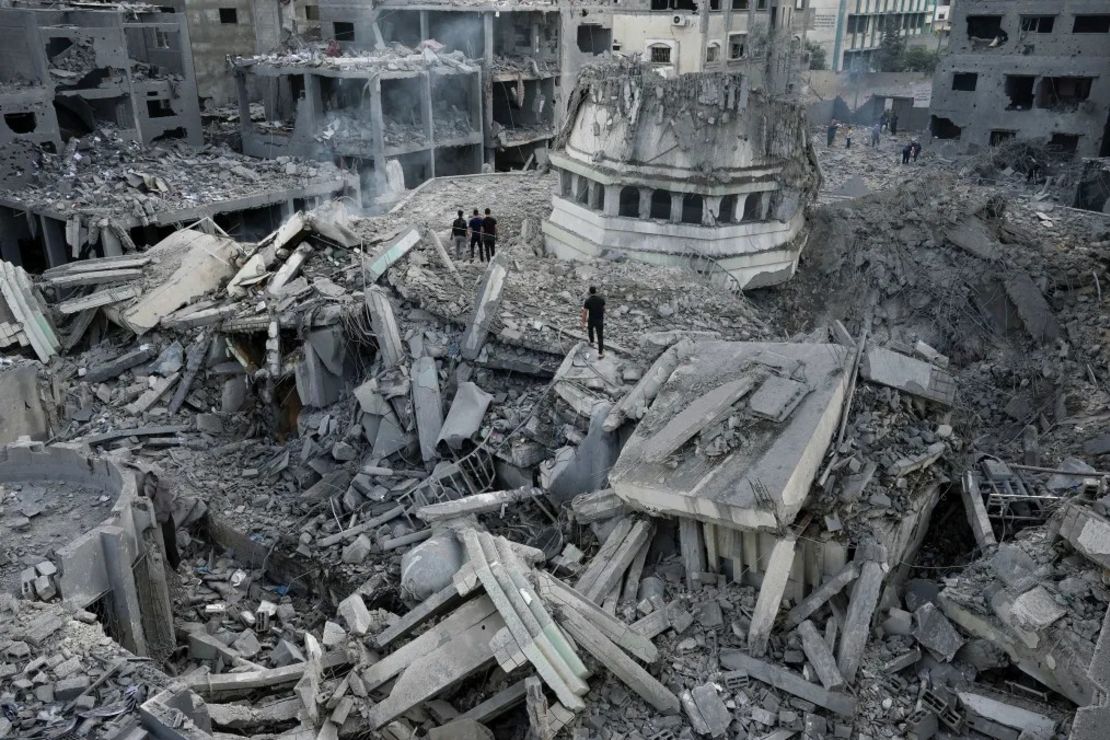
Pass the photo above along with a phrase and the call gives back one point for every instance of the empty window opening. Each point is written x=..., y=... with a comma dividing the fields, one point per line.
x=594, y=39
x=1064, y=143
x=161, y=39
x=965, y=81
x=1001, y=136
x=691, y=208
x=714, y=4
x=1019, y=89
x=660, y=4
x=1063, y=92
x=727, y=212
x=630, y=202
x=753, y=208
x=761, y=5
x=985, y=28
x=659, y=54
x=740, y=4
x=736, y=44
x=684, y=5
x=159, y=108
x=1091, y=24
x=582, y=193
x=21, y=123
x=943, y=128
x=1037, y=23
x=229, y=15
x=713, y=52
x=312, y=12
x=661, y=204
x=344, y=31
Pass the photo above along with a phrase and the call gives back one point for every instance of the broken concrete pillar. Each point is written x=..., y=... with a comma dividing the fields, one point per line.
x=384, y=324
x=486, y=303
x=819, y=656
x=775, y=575
x=464, y=419
x=857, y=622
x=125, y=597
x=429, y=406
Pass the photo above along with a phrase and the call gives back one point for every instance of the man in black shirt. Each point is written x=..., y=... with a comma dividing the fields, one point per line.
x=489, y=235
x=458, y=235
x=475, y=234
x=593, y=316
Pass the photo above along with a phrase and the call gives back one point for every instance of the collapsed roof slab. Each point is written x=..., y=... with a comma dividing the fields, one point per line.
x=765, y=478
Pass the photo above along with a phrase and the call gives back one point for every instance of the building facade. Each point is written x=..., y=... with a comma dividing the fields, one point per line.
x=851, y=31
x=67, y=70
x=1028, y=70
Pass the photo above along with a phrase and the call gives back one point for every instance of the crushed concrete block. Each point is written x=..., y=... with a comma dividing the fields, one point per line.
x=461, y=729
x=286, y=653
x=898, y=622
x=936, y=633
x=882, y=366
x=357, y=550
x=354, y=613
x=247, y=644
x=708, y=714
x=69, y=688
x=1035, y=609
x=334, y=635
x=464, y=418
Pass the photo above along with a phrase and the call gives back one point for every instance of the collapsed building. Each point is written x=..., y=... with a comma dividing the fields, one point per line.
x=727, y=197
x=70, y=69
x=1017, y=70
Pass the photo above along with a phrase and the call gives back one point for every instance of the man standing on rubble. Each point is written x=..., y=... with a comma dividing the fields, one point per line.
x=593, y=317
x=875, y=131
x=458, y=235
x=475, y=234
x=489, y=235
x=893, y=124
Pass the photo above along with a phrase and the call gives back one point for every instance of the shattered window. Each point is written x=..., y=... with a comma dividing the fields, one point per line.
x=713, y=52
x=736, y=43
x=1037, y=23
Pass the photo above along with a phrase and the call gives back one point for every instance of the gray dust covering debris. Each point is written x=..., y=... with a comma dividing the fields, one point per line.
x=713, y=426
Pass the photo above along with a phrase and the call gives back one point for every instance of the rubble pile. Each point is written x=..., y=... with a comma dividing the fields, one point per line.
x=395, y=57
x=101, y=176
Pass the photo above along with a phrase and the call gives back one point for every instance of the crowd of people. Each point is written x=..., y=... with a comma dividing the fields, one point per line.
x=888, y=122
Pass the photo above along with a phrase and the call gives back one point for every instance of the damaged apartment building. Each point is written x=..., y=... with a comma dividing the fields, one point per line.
x=1026, y=70
x=401, y=92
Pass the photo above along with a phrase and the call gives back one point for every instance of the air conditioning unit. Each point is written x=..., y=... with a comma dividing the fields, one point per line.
x=680, y=20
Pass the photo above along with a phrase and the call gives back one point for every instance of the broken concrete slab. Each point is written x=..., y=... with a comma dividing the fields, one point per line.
x=695, y=416
x=636, y=402
x=354, y=613
x=936, y=633
x=390, y=348
x=788, y=681
x=706, y=711
x=820, y=656
x=21, y=405
x=905, y=373
x=465, y=416
x=1035, y=610
x=1086, y=531
x=1032, y=308
x=759, y=485
x=376, y=266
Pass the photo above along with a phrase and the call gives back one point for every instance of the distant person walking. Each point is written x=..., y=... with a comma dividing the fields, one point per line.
x=458, y=235
x=906, y=151
x=830, y=133
x=489, y=235
x=915, y=149
x=893, y=124
x=475, y=227
x=847, y=137
x=884, y=121
x=593, y=318
x=875, y=131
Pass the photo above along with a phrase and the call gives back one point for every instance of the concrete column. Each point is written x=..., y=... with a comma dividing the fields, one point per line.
x=676, y=208
x=487, y=86
x=741, y=204
x=594, y=196
x=711, y=208
x=426, y=108
x=775, y=576
x=424, y=32
x=645, y=203
x=313, y=101
x=124, y=597
x=564, y=183
x=54, y=236
x=476, y=102
x=244, y=106
x=377, y=124
x=612, y=206
x=574, y=179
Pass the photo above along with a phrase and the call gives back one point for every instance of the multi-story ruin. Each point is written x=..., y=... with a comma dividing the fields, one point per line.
x=69, y=69
x=686, y=171
x=1026, y=70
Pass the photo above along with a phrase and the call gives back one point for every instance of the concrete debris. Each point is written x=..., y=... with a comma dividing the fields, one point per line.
x=321, y=473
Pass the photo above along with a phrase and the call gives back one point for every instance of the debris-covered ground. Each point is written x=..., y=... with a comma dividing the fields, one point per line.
x=385, y=467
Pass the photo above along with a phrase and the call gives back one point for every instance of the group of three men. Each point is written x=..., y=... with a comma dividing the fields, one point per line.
x=482, y=233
